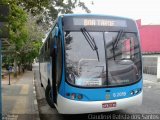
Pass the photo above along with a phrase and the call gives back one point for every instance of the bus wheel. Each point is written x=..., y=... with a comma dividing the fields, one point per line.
x=41, y=85
x=48, y=96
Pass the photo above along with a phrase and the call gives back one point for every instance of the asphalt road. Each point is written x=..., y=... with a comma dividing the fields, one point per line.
x=150, y=109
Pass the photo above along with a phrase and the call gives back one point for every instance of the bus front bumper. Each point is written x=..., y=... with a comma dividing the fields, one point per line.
x=67, y=106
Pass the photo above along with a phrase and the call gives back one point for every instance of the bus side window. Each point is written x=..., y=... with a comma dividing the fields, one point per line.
x=45, y=51
x=53, y=40
x=50, y=37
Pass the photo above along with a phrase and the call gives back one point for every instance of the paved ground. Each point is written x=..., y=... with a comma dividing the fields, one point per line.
x=150, y=106
x=19, y=101
x=19, y=98
x=150, y=78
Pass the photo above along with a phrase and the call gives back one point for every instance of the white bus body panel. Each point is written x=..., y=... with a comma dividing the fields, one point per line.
x=45, y=73
x=67, y=106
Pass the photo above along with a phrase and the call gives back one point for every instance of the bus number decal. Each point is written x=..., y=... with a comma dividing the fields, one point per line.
x=119, y=94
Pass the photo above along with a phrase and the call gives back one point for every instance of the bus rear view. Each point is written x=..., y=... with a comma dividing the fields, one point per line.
x=101, y=64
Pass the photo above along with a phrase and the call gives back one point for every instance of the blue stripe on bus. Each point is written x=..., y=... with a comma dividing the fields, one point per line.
x=100, y=94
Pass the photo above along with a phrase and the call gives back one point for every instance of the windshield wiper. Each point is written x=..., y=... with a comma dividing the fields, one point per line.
x=90, y=41
x=120, y=33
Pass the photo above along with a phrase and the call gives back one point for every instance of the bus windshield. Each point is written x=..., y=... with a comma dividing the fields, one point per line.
x=114, y=65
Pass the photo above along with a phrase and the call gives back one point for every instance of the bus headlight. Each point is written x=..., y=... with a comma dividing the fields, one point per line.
x=136, y=91
x=80, y=96
x=132, y=92
x=139, y=90
x=73, y=96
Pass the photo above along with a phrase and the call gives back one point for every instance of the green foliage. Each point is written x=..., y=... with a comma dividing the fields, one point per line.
x=31, y=45
x=47, y=10
x=28, y=21
x=57, y=7
x=24, y=35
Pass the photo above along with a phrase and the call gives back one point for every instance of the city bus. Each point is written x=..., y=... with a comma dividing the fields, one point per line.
x=91, y=63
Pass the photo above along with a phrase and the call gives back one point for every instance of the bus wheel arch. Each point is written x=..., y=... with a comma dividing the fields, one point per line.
x=48, y=95
x=49, y=82
x=40, y=77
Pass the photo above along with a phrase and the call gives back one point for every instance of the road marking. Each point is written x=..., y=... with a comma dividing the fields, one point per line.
x=34, y=89
x=10, y=117
x=34, y=92
x=35, y=102
x=33, y=81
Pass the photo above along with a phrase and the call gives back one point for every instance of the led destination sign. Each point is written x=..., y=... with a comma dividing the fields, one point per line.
x=99, y=22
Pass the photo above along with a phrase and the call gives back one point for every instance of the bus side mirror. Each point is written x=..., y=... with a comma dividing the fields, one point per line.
x=53, y=47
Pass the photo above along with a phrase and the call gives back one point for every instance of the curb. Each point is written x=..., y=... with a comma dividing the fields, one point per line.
x=37, y=117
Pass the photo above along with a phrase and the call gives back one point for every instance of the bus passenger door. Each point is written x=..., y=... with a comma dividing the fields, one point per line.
x=54, y=71
x=56, y=66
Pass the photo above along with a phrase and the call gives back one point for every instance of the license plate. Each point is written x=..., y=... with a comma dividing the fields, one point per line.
x=108, y=105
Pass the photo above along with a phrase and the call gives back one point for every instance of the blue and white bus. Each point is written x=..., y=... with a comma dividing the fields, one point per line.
x=92, y=63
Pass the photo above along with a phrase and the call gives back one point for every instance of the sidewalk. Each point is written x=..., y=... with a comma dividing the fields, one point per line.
x=150, y=78
x=19, y=98
x=13, y=80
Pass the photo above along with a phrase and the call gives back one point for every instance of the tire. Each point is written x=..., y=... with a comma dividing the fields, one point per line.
x=48, y=96
x=41, y=85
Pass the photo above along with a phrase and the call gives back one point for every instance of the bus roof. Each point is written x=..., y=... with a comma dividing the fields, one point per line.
x=98, y=15
x=70, y=25
x=99, y=22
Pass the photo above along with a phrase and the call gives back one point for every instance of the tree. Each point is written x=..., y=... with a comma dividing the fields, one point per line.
x=31, y=40
x=31, y=46
x=47, y=10
x=22, y=36
x=28, y=22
